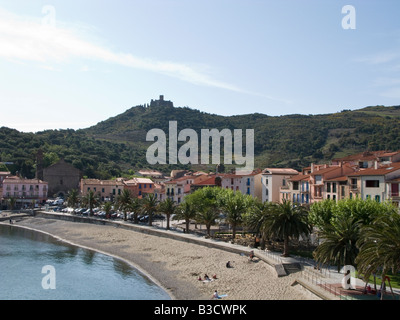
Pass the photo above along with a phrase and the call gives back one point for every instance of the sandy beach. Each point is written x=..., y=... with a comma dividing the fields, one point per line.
x=176, y=265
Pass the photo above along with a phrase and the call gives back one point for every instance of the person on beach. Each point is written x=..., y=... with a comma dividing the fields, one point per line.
x=228, y=264
x=251, y=256
x=215, y=295
x=206, y=277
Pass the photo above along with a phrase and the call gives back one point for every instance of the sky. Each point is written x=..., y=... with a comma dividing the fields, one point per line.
x=71, y=64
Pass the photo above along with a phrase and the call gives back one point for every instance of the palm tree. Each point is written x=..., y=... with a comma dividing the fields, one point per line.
x=207, y=216
x=90, y=201
x=12, y=202
x=135, y=207
x=380, y=246
x=124, y=201
x=287, y=221
x=257, y=217
x=107, y=207
x=235, y=207
x=168, y=207
x=339, y=242
x=187, y=212
x=73, y=198
x=150, y=206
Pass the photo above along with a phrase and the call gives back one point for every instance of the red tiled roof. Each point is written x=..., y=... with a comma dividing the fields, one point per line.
x=300, y=177
x=377, y=172
x=208, y=182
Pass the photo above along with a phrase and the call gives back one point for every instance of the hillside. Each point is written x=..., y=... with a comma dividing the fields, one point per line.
x=117, y=145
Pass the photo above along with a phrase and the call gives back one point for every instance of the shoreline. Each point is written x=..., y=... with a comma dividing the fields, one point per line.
x=68, y=242
x=175, y=265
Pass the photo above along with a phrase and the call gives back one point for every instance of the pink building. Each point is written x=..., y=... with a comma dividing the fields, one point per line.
x=24, y=191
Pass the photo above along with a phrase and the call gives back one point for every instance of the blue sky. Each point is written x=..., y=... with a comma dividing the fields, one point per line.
x=71, y=64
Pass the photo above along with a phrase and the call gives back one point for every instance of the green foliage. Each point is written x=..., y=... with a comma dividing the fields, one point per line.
x=118, y=144
x=380, y=246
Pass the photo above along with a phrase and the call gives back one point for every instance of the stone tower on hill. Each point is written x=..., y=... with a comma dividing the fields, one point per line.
x=161, y=102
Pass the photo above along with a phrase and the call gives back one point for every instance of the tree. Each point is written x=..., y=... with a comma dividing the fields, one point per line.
x=235, y=206
x=124, y=201
x=168, y=207
x=187, y=212
x=287, y=221
x=135, y=207
x=206, y=202
x=339, y=242
x=321, y=212
x=90, y=201
x=73, y=198
x=107, y=207
x=11, y=203
x=150, y=206
x=256, y=218
x=379, y=245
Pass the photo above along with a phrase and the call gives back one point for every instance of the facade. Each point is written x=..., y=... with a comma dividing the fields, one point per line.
x=107, y=190
x=378, y=183
x=24, y=191
x=243, y=183
x=392, y=188
x=61, y=177
x=139, y=187
x=269, y=184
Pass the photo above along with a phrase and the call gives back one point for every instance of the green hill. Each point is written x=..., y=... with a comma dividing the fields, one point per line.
x=117, y=145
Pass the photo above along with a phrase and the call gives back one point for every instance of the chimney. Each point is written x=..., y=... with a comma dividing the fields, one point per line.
x=312, y=167
x=376, y=164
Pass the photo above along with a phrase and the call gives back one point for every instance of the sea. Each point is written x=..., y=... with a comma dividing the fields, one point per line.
x=36, y=266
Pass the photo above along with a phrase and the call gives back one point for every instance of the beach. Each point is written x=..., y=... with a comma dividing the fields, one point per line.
x=176, y=265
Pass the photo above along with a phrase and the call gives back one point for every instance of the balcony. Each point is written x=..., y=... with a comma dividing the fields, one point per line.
x=354, y=187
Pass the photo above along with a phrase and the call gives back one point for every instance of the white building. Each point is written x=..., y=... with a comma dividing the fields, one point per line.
x=271, y=182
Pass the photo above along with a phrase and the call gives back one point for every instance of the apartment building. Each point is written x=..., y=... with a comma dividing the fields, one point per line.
x=24, y=191
x=271, y=185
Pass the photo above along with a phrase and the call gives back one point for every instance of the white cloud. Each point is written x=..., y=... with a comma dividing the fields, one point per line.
x=28, y=39
x=379, y=58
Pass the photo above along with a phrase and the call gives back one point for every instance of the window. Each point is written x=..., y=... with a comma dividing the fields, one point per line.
x=283, y=182
x=377, y=198
x=248, y=190
x=102, y=190
x=334, y=187
x=328, y=187
x=231, y=180
x=372, y=184
x=266, y=181
x=295, y=185
x=318, y=179
x=266, y=192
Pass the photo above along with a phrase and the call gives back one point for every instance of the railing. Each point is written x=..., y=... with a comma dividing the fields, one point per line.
x=273, y=257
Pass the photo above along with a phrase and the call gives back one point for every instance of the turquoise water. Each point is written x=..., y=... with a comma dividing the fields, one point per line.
x=76, y=273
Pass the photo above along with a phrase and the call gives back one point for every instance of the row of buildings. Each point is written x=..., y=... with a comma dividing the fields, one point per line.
x=367, y=175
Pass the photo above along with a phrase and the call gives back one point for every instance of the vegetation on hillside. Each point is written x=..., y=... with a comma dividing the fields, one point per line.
x=117, y=146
